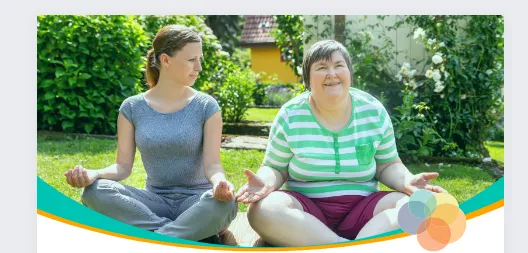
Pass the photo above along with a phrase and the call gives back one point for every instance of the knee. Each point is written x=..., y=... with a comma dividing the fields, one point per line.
x=221, y=210
x=393, y=200
x=264, y=211
x=94, y=193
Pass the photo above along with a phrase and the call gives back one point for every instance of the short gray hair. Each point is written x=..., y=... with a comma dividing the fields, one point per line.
x=323, y=50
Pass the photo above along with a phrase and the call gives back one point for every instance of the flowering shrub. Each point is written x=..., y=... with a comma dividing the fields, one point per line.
x=449, y=107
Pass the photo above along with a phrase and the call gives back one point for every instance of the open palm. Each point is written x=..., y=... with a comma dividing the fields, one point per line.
x=421, y=181
x=254, y=190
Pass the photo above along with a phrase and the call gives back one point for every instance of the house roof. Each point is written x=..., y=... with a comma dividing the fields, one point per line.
x=256, y=31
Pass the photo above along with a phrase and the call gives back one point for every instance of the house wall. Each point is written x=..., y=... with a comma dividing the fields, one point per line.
x=267, y=59
x=406, y=45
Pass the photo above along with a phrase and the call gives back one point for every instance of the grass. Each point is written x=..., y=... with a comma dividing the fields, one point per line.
x=496, y=150
x=262, y=114
x=55, y=155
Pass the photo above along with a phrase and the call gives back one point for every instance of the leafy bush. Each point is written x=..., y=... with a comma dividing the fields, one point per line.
x=373, y=71
x=216, y=64
x=86, y=66
x=462, y=86
x=236, y=95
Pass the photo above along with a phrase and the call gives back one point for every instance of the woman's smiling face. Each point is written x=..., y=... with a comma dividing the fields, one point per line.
x=330, y=79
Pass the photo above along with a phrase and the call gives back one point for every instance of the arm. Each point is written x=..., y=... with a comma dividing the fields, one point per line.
x=272, y=177
x=274, y=171
x=214, y=172
x=126, y=150
x=392, y=172
x=394, y=175
x=397, y=177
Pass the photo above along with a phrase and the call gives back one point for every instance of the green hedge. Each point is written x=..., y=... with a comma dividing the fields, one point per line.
x=86, y=66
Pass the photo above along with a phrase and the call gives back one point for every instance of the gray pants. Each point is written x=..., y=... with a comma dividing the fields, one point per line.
x=187, y=216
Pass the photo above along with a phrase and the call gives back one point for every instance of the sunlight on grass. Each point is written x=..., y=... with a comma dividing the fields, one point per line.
x=55, y=156
x=496, y=150
x=262, y=114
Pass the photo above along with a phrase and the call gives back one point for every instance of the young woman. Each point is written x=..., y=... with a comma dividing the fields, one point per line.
x=177, y=131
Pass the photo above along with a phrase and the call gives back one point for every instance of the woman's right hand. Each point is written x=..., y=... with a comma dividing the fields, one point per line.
x=80, y=177
x=254, y=190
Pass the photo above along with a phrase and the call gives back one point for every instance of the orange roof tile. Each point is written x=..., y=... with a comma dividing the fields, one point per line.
x=256, y=30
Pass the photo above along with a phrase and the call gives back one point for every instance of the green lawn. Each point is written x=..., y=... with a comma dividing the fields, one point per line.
x=58, y=154
x=496, y=150
x=262, y=114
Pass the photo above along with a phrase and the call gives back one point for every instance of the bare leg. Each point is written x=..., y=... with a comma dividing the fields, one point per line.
x=385, y=215
x=280, y=220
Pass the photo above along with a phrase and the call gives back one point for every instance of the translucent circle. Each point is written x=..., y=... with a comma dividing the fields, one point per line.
x=447, y=213
x=445, y=198
x=436, y=234
x=428, y=201
x=408, y=222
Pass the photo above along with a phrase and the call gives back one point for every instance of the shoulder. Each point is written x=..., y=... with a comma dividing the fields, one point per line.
x=364, y=100
x=132, y=100
x=295, y=106
x=204, y=98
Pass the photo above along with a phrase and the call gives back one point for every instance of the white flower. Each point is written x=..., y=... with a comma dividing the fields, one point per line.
x=429, y=73
x=463, y=96
x=405, y=68
x=442, y=68
x=449, y=165
x=442, y=44
x=413, y=85
x=419, y=32
x=411, y=74
x=437, y=59
x=362, y=33
x=487, y=159
x=299, y=70
x=446, y=75
x=224, y=53
x=438, y=83
x=439, y=53
x=436, y=75
x=427, y=165
x=441, y=164
x=442, y=96
x=499, y=65
x=399, y=77
x=489, y=71
x=439, y=88
x=431, y=41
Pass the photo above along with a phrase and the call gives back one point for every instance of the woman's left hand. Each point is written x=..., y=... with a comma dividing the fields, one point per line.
x=224, y=191
x=421, y=181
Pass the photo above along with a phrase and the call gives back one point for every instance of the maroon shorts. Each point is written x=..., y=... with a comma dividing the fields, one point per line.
x=345, y=215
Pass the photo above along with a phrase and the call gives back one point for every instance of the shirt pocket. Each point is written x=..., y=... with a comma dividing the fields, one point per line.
x=365, y=154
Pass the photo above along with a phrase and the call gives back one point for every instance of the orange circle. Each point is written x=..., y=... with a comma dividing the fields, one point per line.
x=436, y=235
x=445, y=212
x=458, y=226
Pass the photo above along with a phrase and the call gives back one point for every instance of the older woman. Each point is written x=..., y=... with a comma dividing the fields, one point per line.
x=329, y=146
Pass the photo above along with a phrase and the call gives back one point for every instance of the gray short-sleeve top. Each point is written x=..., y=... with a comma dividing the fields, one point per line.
x=171, y=144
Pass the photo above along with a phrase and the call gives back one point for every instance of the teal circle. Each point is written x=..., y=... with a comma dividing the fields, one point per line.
x=427, y=204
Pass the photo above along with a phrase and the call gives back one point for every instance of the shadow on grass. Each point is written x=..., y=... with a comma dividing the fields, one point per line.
x=53, y=144
x=495, y=144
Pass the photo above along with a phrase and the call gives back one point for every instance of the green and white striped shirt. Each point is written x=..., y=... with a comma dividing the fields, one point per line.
x=322, y=163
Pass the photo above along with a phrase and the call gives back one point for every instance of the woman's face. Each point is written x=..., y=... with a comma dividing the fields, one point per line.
x=183, y=67
x=330, y=80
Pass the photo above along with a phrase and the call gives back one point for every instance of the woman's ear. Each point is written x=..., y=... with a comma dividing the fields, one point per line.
x=164, y=60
